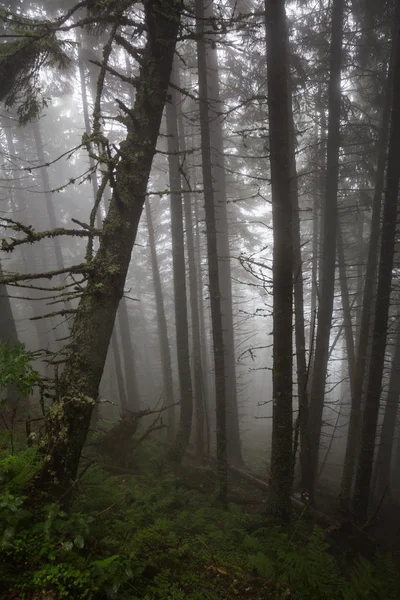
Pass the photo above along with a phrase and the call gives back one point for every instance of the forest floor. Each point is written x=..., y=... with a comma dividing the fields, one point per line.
x=149, y=534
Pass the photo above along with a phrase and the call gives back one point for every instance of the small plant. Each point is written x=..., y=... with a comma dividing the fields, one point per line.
x=16, y=369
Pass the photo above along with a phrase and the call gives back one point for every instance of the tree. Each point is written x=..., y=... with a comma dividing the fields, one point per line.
x=281, y=156
x=69, y=418
x=325, y=306
x=213, y=265
x=165, y=351
x=388, y=234
x=367, y=298
x=179, y=273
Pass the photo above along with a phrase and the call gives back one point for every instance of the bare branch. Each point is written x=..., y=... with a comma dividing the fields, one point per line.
x=10, y=279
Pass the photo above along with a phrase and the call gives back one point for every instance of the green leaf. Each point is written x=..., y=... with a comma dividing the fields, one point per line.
x=79, y=541
x=68, y=546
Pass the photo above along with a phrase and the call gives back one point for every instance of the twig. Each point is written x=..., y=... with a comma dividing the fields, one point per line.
x=111, y=506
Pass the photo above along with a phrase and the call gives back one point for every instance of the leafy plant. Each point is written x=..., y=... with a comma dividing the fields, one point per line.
x=16, y=368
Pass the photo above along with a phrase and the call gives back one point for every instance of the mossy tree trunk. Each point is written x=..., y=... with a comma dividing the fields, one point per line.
x=69, y=417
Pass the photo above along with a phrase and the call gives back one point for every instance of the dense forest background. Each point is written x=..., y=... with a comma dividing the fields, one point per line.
x=198, y=295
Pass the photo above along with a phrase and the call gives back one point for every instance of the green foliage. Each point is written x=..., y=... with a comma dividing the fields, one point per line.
x=16, y=368
x=377, y=580
x=149, y=538
x=22, y=61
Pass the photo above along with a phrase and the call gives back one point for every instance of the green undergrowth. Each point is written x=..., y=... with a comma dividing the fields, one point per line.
x=148, y=536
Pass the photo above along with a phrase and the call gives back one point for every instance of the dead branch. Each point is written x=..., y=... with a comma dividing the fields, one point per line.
x=10, y=279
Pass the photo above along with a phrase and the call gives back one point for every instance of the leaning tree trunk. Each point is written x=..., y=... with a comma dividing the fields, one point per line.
x=367, y=300
x=388, y=236
x=68, y=421
x=179, y=275
x=213, y=265
x=327, y=286
x=281, y=157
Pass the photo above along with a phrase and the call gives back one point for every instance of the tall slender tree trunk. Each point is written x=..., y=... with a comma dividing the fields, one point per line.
x=165, y=351
x=213, y=263
x=281, y=159
x=347, y=321
x=8, y=333
x=372, y=402
x=68, y=422
x=207, y=380
x=385, y=448
x=325, y=306
x=128, y=353
x=198, y=376
x=118, y=371
x=367, y=300
x=215, y=117
x=179, y=274
x=299, y=323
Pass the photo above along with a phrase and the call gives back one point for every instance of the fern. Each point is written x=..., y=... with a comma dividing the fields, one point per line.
x=373, y=581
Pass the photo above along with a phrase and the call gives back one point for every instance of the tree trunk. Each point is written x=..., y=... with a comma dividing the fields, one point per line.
x=216, y=118
x=8, y=333
x=299, y=324
x=281, y=159
x=213, y=264
x=365, y=460
x=128, y=353
x=118, y=371
x=205, y=359
x=198, y=376
x=367, y=301
x=165, y=351
x=344, y=291
x=68, y=421
x=325, y=306
x=179, y=274
x=385, y=448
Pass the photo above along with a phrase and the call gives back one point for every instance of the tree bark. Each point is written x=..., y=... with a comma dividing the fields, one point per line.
x=281, y=159
x=385, y=448
x=213, y=264
x=69, y=418
x=325, y=306
x=372, y=402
